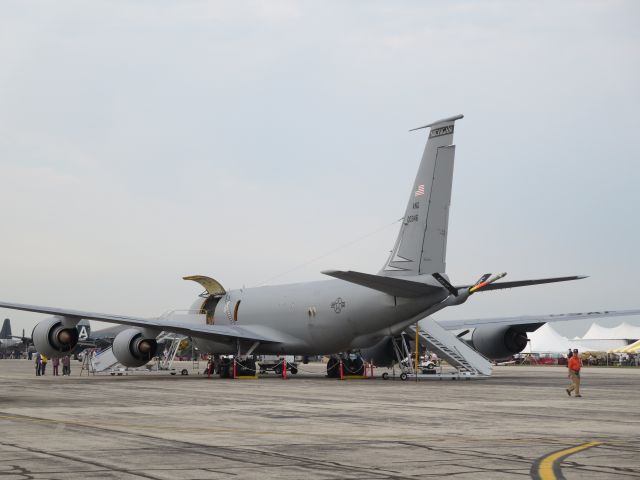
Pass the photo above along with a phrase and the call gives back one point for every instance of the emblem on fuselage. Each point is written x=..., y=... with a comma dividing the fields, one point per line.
x=338, y=304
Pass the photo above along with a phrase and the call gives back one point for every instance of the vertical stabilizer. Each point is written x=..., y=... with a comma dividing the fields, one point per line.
x=6, y=329
x=421, y=245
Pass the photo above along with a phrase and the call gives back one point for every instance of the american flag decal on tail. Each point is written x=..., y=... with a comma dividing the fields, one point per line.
x=420, y=190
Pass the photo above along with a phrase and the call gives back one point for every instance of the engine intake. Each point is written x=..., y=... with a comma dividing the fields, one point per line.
x=53, y=339
x=133, y=349
x=498, y=342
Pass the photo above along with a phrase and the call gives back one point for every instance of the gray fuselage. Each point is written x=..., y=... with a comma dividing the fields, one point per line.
x=318, y=317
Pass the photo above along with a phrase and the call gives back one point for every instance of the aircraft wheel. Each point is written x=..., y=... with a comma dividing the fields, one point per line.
x=333, y=368
x=354, y=367
x=403, y=376
x=226, y=369
x=385, y=376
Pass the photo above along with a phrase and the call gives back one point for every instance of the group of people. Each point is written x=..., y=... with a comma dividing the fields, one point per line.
x=629, y=359
x=42, y=360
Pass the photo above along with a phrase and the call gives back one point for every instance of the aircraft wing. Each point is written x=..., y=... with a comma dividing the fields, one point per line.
x=204, y=331
x=533, y=319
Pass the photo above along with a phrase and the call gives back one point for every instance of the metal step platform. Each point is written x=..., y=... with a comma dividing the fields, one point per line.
x=104, y=361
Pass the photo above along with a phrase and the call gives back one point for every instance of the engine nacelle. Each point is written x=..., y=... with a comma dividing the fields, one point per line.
x=381, y=354
x=54, y=339
x=498, y=342
x=134, y=349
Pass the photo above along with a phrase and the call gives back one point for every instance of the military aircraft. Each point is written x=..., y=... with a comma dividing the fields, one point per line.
x=352, y=312
x=7, y=340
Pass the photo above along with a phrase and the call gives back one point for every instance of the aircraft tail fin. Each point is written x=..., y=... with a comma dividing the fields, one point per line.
x=420, y=248
x=6, y=329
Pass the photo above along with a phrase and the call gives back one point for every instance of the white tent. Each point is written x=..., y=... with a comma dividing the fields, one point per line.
x=596, y=332
x=597, y=345
x=547, y=340
x=624, y=331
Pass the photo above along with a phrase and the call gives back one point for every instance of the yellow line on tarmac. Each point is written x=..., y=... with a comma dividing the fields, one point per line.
x=548, y=467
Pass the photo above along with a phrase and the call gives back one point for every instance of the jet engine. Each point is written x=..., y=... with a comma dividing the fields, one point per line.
x=133, y=348
x=54, y=339
x=381, y=354
x=498, y=342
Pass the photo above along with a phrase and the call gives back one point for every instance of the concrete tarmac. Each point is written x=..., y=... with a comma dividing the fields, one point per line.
x=162, y=427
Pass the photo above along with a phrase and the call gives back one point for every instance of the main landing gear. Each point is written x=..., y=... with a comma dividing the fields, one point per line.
x=352, y=365
x=244, y=367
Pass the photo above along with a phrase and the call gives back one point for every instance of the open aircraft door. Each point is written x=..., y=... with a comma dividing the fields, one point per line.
x=213, y=292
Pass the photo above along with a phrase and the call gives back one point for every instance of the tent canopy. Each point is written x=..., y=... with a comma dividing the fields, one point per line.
x=624, y=331
x=632, y=348
x=547, y=340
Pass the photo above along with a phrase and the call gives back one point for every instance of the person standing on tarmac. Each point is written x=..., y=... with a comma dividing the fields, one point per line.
x=37, y=363
x=209, y=366
x=55, y=362
x=574, y=373
x=43, y=364
x=66, y=365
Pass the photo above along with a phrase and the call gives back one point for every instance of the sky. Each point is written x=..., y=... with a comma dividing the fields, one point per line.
x=262, y=142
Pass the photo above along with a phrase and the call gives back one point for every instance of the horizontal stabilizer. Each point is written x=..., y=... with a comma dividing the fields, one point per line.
x=390, y=285
x=525, y=283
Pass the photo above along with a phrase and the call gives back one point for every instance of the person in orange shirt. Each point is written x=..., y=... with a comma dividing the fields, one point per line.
x=575, y=364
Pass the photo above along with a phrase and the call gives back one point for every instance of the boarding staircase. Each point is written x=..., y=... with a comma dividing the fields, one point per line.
x=166, y=363
x=104, y=360
x=450, y=348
